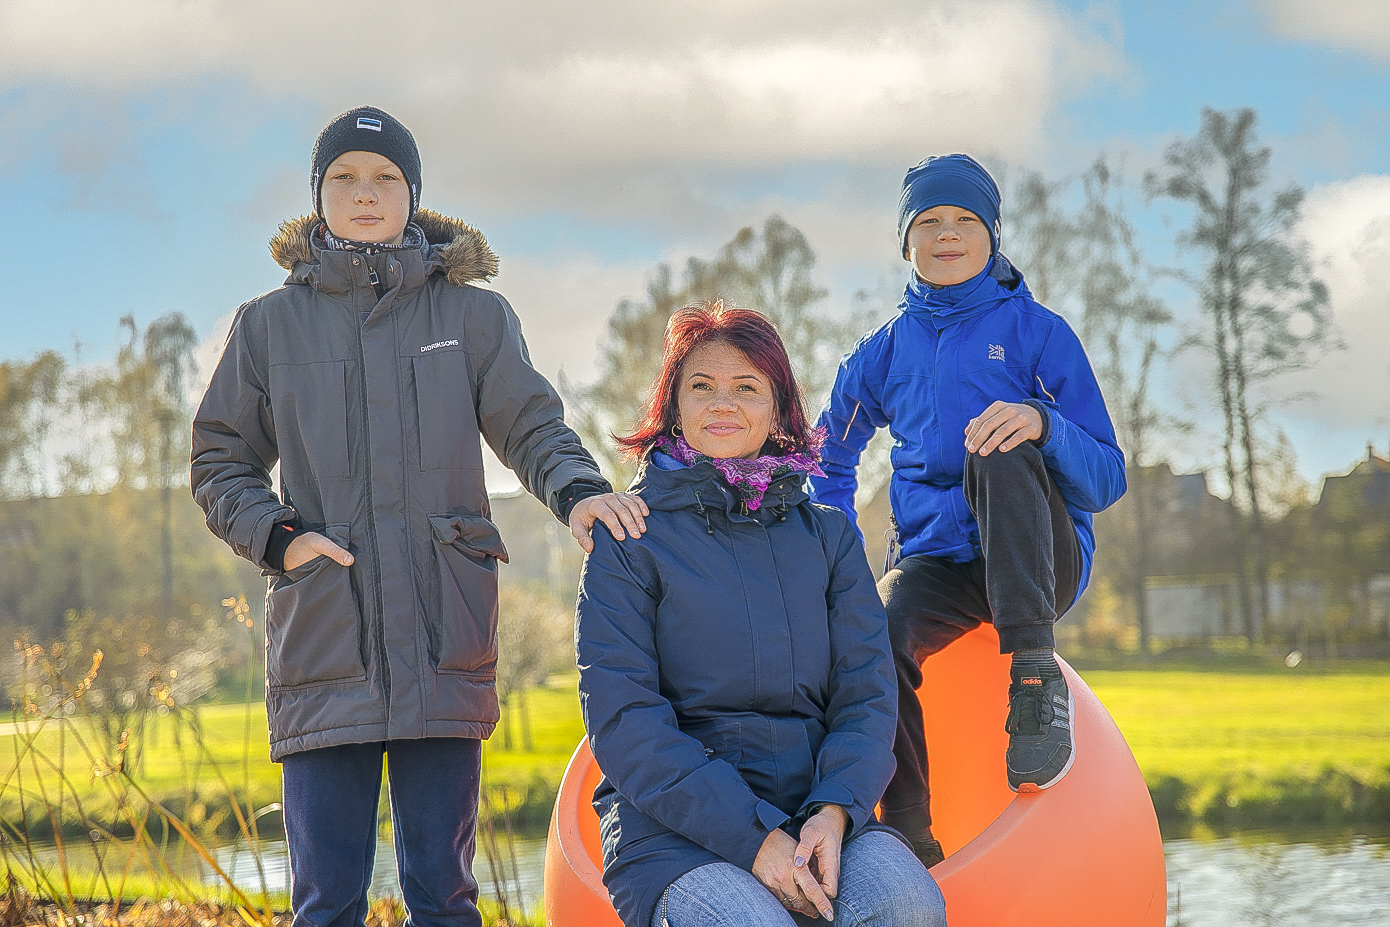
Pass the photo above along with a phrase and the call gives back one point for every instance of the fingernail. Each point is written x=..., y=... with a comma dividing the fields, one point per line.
x=800, y=861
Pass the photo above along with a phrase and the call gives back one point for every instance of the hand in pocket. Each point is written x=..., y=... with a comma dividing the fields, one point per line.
x=311, y=544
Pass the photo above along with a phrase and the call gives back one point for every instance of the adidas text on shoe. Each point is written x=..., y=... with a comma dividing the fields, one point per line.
x=1041, y=743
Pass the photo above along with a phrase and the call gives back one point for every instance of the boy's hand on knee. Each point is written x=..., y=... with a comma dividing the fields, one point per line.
x=311, y=544
x=1003, y=426
x=623, y=513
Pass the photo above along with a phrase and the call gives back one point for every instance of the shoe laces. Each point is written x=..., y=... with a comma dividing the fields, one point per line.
x=1030, y=710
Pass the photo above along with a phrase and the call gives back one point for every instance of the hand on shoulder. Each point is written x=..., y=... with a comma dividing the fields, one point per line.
x=622, y=512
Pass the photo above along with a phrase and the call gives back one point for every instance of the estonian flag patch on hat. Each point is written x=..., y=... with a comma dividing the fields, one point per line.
x=364, y=122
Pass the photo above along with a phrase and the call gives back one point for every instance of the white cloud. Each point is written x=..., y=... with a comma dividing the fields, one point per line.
x=1360, y=25
x=1348, y=227
x=596, y=105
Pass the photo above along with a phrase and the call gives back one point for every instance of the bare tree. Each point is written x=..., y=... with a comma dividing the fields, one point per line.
x=628, y=363
x=535, y=637
x=769, y=271
x=1041, y=237
x=1121, y=325
x=150, y=414
x=1266, y=312
x=29, y=395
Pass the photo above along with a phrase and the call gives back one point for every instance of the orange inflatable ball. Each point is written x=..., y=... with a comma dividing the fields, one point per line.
x=1084, y=853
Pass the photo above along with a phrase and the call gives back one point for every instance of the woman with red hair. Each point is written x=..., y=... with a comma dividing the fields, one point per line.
x=735, y=674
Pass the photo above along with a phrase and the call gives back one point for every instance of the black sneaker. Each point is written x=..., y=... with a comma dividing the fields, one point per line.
x=1041, y=744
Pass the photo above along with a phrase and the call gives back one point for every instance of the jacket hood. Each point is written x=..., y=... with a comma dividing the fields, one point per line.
x=458, y=246
x=702, y=488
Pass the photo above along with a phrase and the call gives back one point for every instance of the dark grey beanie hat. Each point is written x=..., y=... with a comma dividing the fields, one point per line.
x=366, y=128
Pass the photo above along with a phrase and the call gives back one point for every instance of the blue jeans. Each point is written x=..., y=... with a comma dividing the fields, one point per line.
x=881, y=885
x=331, y=799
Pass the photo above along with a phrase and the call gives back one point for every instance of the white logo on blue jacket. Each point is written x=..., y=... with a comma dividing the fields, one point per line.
x=996, y=352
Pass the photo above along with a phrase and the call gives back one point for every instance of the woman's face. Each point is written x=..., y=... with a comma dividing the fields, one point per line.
x=948, y=245
x=725, y=405
x=365, y=198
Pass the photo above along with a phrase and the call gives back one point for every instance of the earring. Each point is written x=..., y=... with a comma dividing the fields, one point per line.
x=676, y=430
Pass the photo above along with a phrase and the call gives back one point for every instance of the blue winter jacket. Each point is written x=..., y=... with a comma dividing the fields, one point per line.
x=734, y=671
x=929, y=370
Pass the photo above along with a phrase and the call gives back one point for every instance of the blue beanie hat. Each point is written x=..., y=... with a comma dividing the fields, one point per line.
x=949, y=180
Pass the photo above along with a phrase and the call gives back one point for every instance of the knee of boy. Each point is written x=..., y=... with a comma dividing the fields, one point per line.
x=1026, y=456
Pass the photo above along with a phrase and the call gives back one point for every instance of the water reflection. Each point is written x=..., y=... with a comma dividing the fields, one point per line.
x=1305, y=878
x=496, y=876
x=1261, y=880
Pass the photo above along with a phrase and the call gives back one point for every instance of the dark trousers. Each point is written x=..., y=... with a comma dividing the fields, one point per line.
x=331, y=799
x=1027, y=576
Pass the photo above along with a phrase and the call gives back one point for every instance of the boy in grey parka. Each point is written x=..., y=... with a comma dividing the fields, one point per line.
x=371, y=377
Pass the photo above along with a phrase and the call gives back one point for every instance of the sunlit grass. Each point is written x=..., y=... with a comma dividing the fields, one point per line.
x=1201, y=724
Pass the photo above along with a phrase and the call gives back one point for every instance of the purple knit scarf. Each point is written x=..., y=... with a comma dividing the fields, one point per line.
x=750, y=478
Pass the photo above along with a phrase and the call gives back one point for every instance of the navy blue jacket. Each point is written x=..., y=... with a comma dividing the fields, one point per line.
x=924, y=374
x=734, y=671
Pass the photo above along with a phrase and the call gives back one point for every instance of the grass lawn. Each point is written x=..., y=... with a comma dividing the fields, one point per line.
x=1257, y=747
x=556, y=729
x=1219, y=732
x=177, y=755
x=1201, y=725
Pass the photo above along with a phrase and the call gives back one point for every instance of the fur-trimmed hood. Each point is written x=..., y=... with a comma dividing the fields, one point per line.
x=457, y=246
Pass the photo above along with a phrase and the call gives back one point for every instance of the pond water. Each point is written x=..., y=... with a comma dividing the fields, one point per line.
x=1250, y=879
x=1307, y=878
x=1259, y=879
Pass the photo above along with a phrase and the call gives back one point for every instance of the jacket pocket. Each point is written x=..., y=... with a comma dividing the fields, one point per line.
x=313, y=623
x=463, y=629
x=448, y=426
x=310, y=403
x=721, y=739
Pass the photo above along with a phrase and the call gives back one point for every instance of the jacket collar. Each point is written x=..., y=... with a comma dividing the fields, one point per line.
x=999, y=282
x=702, y=488
x=454, y=248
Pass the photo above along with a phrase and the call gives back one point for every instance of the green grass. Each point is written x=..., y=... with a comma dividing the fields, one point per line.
x=1201, y=725
x=1257, y=748
x=1236, y=744
x=178, y=759
x=556, y=729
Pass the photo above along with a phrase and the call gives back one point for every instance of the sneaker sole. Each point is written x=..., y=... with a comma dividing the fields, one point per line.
x=1029, y=788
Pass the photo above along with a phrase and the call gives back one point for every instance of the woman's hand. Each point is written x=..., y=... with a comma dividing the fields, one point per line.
x=821, y=837
x=311, y=544
x=622, y=512
x=794, y=886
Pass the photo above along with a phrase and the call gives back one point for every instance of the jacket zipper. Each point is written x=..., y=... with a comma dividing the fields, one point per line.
x=380, y=622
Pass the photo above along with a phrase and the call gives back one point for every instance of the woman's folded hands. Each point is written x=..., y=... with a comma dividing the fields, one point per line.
x=805, y=875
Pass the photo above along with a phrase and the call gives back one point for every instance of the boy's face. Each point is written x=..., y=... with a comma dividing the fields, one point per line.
x=365, y=198
x=947, y=245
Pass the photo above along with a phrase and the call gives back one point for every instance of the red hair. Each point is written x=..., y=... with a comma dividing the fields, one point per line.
x=751, y=334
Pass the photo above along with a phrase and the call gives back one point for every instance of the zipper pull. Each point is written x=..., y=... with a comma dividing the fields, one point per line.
x=372, y=277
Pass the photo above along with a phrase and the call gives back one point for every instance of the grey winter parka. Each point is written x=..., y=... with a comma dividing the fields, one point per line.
x=374, y=409
x=734, y=673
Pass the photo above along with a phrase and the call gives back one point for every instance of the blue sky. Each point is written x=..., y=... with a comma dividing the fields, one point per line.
x=151, y=148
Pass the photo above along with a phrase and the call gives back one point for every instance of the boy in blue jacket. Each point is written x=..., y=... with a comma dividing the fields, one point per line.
x=1003, y=450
